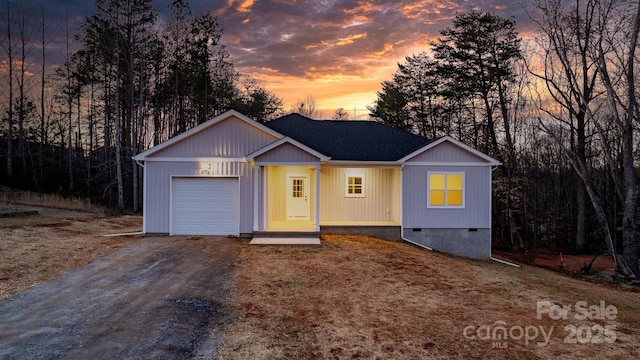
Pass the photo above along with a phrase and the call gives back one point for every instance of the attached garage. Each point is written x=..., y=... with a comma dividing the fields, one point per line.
x=204, y=206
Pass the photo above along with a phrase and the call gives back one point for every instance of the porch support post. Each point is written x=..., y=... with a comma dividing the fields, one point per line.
x=318, y=198
x=256, y=197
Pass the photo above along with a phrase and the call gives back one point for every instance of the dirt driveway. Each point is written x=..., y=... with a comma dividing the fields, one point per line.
x=159, y=297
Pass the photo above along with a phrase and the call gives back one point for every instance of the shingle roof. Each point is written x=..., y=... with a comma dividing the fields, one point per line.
x=349, y=140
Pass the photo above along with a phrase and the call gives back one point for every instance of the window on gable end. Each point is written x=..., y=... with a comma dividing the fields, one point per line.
x=354, y=185
x=446, y=190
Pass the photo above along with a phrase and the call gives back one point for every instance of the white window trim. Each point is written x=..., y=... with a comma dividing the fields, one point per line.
x=429, y=206
x=346, y=185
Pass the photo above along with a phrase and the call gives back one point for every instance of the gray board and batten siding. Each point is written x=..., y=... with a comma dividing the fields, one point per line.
x=225, y=146
x=462, y=231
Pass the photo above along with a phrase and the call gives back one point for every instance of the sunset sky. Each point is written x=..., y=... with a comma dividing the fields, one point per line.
x=337, y=51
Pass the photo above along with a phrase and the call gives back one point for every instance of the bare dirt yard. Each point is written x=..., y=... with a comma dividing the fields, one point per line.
x=154, y=297
x=38, y=248
x=359, y=297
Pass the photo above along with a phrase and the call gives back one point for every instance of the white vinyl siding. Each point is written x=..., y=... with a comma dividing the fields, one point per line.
x=477, y=198
x=382, y=201
x=223, y=145
x=158, y=183
x=287, y=153
x=230, y=138
x=447, y=153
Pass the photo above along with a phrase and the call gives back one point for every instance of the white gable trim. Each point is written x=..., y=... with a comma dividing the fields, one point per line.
x=291, y=141
x=204, y=126
x=442, y=163
x=196, y=159
x=485, y=157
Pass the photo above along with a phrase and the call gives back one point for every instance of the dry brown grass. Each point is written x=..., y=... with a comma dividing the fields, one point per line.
x=353, y=297
x=11, y=199
x=40, y=248
x=359, y=297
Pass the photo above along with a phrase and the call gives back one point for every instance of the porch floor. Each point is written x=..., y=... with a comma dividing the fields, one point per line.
x=308, y=225
x=292, y=225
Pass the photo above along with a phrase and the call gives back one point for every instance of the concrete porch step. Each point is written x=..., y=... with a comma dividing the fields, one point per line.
x=286, y=234
x=297, y=241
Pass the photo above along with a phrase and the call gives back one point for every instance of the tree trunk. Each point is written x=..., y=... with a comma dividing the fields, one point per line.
x=42, y=109
x=118, y=137
x=70, y=111
x=118, y=120
x=21, y=85
x=10, y=110
x=629, y=227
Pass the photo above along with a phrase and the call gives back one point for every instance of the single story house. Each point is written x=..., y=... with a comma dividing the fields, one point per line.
x=234, y=176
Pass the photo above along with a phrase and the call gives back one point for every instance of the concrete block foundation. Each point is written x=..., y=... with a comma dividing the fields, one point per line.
x=471, y=243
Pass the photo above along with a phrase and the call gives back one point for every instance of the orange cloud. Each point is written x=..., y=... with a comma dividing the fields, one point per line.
x=350, y=39
x=379, y=54
x=241, y=6
x=245, y=6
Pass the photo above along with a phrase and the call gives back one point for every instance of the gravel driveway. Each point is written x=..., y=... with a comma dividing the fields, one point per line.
x=160, y=297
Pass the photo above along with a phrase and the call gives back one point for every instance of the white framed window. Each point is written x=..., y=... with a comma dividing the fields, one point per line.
x=354, y=185
x=445, y=190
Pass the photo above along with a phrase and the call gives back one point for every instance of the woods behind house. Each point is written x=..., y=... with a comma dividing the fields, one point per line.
x=558, y=108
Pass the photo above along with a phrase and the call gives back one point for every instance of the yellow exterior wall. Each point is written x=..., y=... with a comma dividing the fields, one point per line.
x=380, y=203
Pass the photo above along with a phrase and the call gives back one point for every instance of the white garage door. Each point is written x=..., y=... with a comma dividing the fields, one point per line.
x=204, y=206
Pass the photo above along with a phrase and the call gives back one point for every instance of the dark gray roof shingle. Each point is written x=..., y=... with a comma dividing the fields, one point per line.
x=349, y=140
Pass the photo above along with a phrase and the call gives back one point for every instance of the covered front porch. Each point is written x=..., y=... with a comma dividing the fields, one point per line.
x=297, y=190
x=290, y=199
x=305, y=198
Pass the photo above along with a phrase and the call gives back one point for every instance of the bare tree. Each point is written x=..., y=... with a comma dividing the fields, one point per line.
x=623, y=106
x=43, y=68
x=570, y=75
x=307, y=107
x=585, y=41
x=340, y=114
x=9, y=49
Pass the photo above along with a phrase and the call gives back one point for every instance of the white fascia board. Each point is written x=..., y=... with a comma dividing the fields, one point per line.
x=205, y=125
x=291, y=141
x=363, y=164
x=279, y=163
x=442, y=163
x=490, y=161
x=196, y=159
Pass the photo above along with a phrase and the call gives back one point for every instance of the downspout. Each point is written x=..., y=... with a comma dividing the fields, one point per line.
x=402, y=212
x=490, y=256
